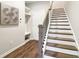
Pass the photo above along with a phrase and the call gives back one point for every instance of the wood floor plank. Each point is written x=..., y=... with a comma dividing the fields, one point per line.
x=28, y=50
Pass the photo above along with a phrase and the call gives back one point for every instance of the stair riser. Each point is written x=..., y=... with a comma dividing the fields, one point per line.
x=59, y=26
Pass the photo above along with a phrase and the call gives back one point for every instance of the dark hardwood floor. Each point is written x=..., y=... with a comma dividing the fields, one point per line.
x=28, y=50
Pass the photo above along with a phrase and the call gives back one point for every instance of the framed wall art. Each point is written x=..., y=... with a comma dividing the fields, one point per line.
x=9, y=15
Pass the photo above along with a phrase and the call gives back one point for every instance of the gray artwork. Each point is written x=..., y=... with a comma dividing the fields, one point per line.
x=9, y=15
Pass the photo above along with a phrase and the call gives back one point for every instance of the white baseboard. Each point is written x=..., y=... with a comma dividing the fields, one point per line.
x=11, y=50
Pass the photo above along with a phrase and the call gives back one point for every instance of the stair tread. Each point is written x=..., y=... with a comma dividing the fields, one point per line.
x=61, y=38
x=59, y=24
x=58, y=12
x=59, y=16
x=59, y=54
x=59, y=31
x=63, y=33
x=61, y=42
x=61, y=46
x=58, y=21
x=61, y=28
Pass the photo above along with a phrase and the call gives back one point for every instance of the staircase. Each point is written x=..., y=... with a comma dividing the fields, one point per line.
x=60, y=40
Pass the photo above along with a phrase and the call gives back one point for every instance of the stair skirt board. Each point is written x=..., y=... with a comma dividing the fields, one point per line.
x=59, y=54
x=60, y=40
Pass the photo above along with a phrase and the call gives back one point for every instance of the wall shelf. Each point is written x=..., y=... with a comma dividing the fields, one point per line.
x=27, y=22
x=27, y=14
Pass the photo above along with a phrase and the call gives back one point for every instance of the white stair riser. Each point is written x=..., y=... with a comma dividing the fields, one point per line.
x=59, y=26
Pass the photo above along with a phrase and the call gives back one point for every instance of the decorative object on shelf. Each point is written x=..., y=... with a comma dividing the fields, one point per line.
x=8, y=15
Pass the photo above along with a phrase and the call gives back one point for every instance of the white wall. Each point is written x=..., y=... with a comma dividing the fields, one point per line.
x=12, y=36
x=58, y=4
x=72, y=9
x=38, y=10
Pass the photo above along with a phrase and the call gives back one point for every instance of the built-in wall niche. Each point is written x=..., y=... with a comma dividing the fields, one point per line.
x=27, y=23
x=9, y=15
x=27, y=14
